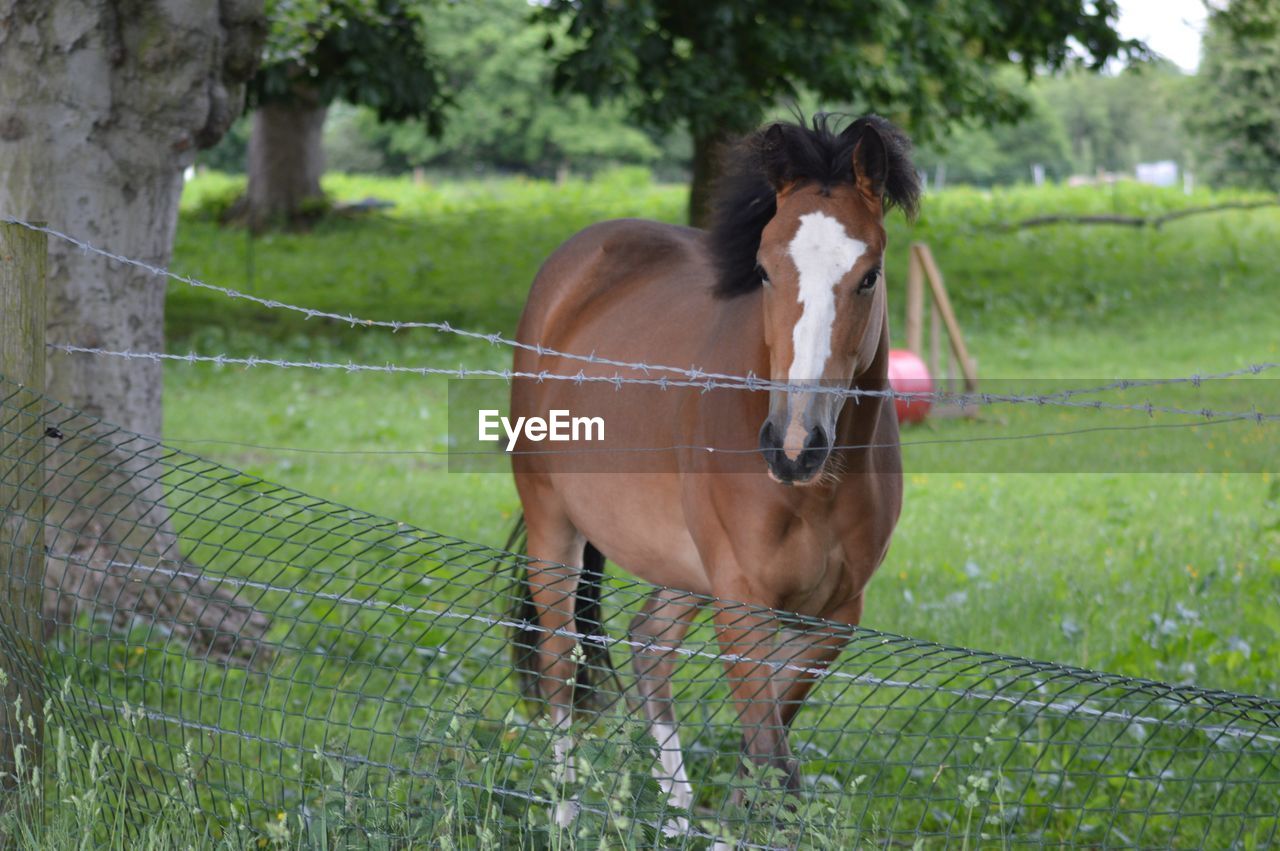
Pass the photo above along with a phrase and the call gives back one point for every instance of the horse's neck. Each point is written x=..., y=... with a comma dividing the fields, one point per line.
x=877, y=372
x=736, y=341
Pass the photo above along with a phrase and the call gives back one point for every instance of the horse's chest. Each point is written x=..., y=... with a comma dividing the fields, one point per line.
x=829, y=559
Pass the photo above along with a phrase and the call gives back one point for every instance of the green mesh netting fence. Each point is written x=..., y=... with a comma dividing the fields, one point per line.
x=245, y=653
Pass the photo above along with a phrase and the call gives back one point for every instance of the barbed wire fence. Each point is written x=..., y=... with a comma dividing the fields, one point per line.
x=371, y=702
x=685, y=377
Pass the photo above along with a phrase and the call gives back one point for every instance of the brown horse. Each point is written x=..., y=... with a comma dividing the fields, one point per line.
x=788, y=285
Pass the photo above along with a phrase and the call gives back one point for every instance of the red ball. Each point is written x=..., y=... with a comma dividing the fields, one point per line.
x=908, y=374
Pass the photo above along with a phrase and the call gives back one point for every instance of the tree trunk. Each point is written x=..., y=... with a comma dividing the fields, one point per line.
x=707, y=150
x=102, y=106
x=286, y=160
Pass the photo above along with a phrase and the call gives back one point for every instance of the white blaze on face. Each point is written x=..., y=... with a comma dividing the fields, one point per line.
x=823, y=253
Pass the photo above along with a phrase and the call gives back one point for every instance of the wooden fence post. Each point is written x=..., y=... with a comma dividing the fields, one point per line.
x=915, y=303
x=22, y=508
x=939, y=289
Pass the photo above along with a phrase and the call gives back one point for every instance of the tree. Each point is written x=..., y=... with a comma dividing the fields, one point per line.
x=1077, y=122
x=1237, y=119
x=499, y=78
x=371, y=52
x=102, y=105
x=1115, y=121
x=1004, y=153
x=717, y=65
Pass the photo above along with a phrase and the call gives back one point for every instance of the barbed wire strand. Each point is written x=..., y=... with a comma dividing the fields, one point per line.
x=989, y=438
x=962, y=400
x=697, y=376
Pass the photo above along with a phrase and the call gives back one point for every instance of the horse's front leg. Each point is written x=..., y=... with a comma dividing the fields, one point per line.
x=807, y=653
x=747, y=636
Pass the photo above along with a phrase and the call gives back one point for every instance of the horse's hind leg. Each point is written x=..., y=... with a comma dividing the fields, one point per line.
x=555, y=546
x=658, y=629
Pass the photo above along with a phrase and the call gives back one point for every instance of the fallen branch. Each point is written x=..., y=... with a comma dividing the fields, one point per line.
x=1137, y=221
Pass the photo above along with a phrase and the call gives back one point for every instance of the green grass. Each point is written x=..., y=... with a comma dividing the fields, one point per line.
x=1171, y=575
x=462, y=252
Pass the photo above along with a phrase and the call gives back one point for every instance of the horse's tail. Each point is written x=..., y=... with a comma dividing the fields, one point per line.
x=596, y=663
x=524, y=634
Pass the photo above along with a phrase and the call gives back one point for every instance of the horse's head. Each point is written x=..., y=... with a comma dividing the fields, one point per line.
x=817, y=259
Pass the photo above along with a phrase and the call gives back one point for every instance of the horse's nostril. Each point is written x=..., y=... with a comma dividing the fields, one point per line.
x=768, y=437
x=817, y=439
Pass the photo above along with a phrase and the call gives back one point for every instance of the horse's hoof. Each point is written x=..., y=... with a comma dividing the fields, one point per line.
x=566, y=812
x=678, y=826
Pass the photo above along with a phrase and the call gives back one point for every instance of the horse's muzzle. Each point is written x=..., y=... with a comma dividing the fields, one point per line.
x=807, y=464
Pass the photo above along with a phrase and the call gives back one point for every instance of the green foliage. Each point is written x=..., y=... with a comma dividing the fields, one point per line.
x=354, y=142
x=1237, y=113
x=507, y=116
x=716, y=66
x=1115, y=121
x=1003, y=154
x=661, y=71
x=232, y=150
x=371, y=52
x=210, y=197
x=1077, y=123
x=297, y=25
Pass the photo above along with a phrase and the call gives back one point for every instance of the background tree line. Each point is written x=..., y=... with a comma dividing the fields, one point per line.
x=503, y=83
x=502, y=87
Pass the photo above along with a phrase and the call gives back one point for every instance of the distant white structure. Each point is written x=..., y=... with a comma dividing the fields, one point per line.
x=1163, y=173
x=1102, y=178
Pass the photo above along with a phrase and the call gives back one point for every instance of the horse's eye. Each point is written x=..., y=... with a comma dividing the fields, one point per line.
x=764, y=276
x=868, y=280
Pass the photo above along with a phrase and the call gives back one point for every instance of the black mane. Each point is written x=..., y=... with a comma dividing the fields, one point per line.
x=783, y=154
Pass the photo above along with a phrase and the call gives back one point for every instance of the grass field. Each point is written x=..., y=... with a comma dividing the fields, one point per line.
x=1145, y=554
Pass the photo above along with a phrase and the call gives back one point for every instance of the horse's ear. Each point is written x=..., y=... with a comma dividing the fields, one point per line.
x=773, y=157
x=871, y=164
